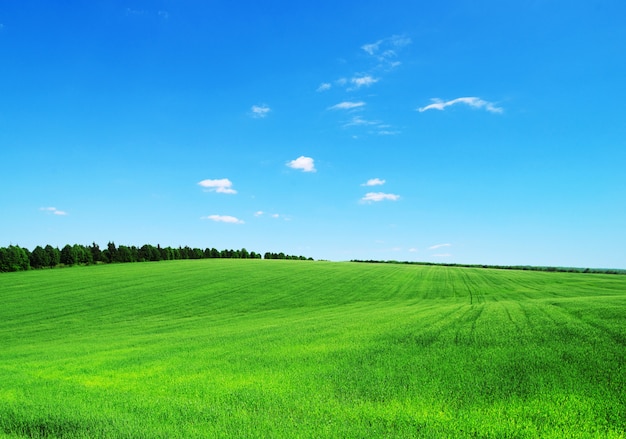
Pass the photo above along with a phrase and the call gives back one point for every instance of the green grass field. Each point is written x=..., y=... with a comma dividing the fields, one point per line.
x=291, y=349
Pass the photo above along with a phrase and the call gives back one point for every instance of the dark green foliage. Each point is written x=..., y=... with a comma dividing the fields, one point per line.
x=39, y=258
x=15, y=258
x=54, y=255
x=68, y=255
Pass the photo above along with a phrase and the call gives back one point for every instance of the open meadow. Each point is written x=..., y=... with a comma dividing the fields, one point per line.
x=300, y=349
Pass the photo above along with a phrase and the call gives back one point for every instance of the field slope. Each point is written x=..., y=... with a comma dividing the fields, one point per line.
x=256, y=348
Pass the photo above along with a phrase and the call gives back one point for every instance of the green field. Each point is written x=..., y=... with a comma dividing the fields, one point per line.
x=294, y=349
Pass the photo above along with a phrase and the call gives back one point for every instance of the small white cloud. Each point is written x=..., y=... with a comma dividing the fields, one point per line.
x=221, y=185
x=260, y=111
x=164, y=15
x=400, y=41
x=374, y=182
x=324, y=87
x=388, y=133
x=413, y=250
x=272, y=215
x=379, y=196
x=54, y=211
x=359, y=121
x=347, y=105
x=306, y=164
x=363, y=81
x=473, y=102
x=436, y=246
x=223, y=219
x=371, y=48
x=387, y=49
x=442, y=255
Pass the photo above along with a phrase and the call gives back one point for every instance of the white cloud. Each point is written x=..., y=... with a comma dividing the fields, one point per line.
x=379, y=196
x=442, y=255
x=359, y=121
x=347, y=105
x=436, y=246
x=371, y=48
x=223, y=219
x=306, y=164
x=473, y=102
x=374, y=182
x=388, y=133
x=54, y=211
x=272, y=215
x=260, y=111
x=324, y=87
x=363, y=81
x=413, y=250
x=222, y=186
x=386, y=50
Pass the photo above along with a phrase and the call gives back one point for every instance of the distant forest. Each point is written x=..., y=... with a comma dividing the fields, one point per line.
x=16, y=258
x=505, y=267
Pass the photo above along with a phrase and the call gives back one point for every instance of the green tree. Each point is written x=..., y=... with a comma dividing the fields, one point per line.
x=68, y=255
x=13, y=258
x=96, y=253
x=54, y=255
x=39, y=258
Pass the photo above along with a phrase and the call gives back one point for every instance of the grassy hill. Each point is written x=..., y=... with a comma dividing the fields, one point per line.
x=270, y=348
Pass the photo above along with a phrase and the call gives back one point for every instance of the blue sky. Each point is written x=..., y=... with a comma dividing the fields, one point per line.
x=458, y=131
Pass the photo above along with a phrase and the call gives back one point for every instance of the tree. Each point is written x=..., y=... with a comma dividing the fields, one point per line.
x=125, y=254
x=39, y=258
x=83, y=254
x=96, y=253
x=13, y=258
x=110, y=253
x=54, y=255
x=68, y=255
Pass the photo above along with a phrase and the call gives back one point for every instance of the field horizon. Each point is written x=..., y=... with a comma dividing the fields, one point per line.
x=282, y=348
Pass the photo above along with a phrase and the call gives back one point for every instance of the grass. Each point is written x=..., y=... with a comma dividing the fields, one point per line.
x=256, y=348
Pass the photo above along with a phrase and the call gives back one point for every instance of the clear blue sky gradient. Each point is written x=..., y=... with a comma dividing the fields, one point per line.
x=489, y=132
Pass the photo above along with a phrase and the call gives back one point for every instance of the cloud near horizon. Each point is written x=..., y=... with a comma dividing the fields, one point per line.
x=305, y=164
x=436, y=246
x=223, y=219
x=222, y=186
x=474, y=102
x=379, y=196
x=54, y=211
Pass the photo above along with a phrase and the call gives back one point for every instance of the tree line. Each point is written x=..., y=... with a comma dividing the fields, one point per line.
x=504, y=267
x=16, y=258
